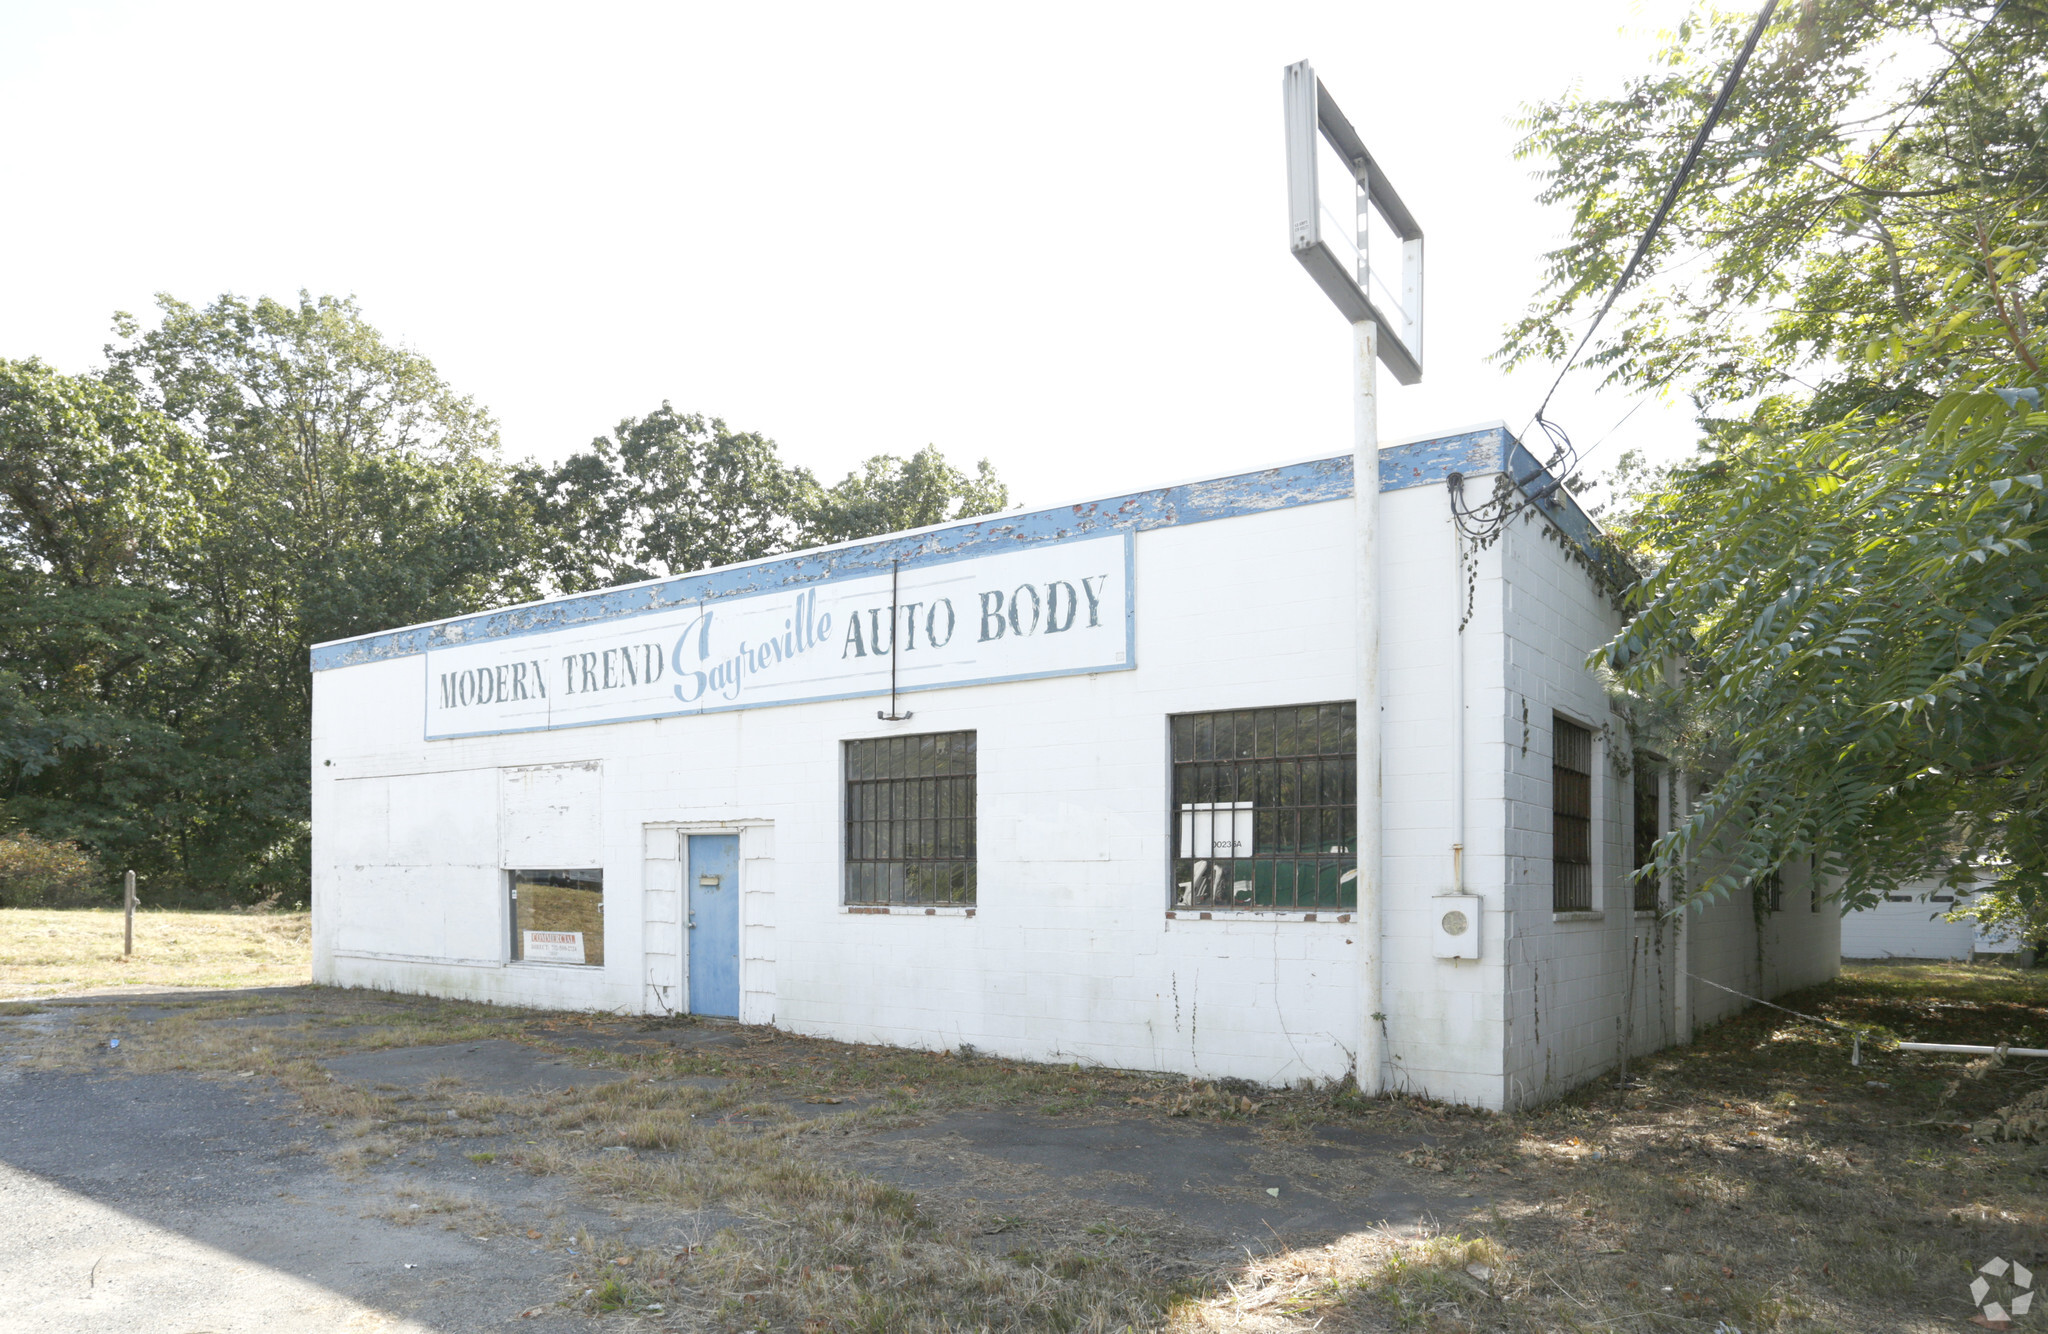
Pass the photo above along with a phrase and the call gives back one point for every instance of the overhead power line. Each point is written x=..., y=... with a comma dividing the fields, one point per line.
x=1478, y=522
x=1671, y=192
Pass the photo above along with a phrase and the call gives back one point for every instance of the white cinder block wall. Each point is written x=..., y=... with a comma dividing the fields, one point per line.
x=1585, y=986
x=1739, y=944
x=1569, y=991
x=1244, y=598
x=1910, y=925
x=1070, y=952
x=1446, y=1023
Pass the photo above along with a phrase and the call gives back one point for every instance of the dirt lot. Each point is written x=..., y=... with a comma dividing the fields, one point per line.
x=328, y=1159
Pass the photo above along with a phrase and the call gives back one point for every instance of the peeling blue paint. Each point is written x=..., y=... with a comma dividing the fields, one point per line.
x=1320, y=481
x=1557, y=504
x=1428, y=462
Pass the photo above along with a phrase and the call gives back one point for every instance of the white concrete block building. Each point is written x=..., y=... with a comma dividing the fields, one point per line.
x=1912, y=924
x=1075, y=784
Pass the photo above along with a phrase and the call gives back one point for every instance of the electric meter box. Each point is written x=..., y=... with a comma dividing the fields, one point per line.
x=1455, y=926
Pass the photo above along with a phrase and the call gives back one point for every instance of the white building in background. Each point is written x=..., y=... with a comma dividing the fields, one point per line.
x=1104, y=814
x=1910, y=925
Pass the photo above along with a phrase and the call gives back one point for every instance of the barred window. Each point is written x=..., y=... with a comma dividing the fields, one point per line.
x=1571, y=816
x=910, y=819
x=1649, y=774
x=1265, y=808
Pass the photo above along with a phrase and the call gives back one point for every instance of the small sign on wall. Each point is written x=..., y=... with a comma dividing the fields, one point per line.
x=1216, y=830
x=553, y=946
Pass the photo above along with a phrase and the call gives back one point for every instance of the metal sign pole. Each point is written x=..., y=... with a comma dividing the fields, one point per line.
x=1340, y=261
x=1365, y=475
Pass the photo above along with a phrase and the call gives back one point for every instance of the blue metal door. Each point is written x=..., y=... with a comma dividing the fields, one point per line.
x=713, y=884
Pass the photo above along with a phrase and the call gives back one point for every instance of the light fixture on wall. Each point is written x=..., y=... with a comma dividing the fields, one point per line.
x=895, y=619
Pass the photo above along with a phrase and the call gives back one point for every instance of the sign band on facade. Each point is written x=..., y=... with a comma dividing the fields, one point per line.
x=1047, y=610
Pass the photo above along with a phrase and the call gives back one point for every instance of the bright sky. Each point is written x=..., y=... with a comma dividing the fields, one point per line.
x=1049, y=234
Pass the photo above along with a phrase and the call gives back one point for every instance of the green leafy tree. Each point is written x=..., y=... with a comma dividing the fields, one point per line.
x=1840, y=624
x=665, y=494
x=250, y=478
x=889, y=494
x=100, y=499
x=355, y=491
x=670, y=492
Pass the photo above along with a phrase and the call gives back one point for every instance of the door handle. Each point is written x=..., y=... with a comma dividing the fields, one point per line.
x=693, y=921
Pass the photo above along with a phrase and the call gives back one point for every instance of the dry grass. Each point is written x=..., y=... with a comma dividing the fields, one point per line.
x=1753, y=1179
x=45, y=952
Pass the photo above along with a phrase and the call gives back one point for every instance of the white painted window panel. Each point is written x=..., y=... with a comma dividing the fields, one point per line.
x=442, y=819
x=358, y=826
x=551, y=816
x=438, y=912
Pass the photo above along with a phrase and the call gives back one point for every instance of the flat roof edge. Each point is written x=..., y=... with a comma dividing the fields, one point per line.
x=1427, y=460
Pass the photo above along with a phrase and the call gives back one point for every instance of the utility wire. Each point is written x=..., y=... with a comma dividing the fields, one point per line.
x=1692, y=157
x=1478, y=523
x=1919, y=104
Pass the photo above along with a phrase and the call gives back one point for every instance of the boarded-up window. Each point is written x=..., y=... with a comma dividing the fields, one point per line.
x=910, y=819
x=1266, y=808
x=1571, y=816
x=551, y=815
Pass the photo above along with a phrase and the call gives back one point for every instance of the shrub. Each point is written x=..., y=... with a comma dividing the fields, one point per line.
x=39, y=873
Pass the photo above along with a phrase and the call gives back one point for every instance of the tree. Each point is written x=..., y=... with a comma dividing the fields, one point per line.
x=670, y=493
x=1847, y=573
x=889, y=494
x=354, y=491
x=665, y=494
x=99, y=500
x=1836, y=208
x=250, y=478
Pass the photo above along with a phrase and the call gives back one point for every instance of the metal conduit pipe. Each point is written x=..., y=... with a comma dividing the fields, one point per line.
x=1970, y=1051
x=1457, y=706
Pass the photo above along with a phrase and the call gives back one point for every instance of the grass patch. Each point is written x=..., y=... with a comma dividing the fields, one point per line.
x=47, y=951
x=1753, y=1179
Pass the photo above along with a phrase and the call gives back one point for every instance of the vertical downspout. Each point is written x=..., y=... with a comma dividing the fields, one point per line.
x=1457, y=702
x=1365, y=488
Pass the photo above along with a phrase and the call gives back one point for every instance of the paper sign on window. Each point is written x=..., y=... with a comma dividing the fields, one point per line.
x=554, y=947
x=1215, y=830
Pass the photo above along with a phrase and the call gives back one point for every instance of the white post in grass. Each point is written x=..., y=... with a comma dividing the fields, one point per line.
x=128, y=901
x=1365, y=488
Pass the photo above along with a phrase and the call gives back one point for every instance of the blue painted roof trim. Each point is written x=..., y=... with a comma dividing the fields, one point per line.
x=1548, y=494
x=1424, y=463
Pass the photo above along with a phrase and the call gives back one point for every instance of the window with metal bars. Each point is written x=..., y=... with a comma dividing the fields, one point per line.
x=1571, y=816
x=1265, y=808
x=910, y=835
x=1648, y=825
